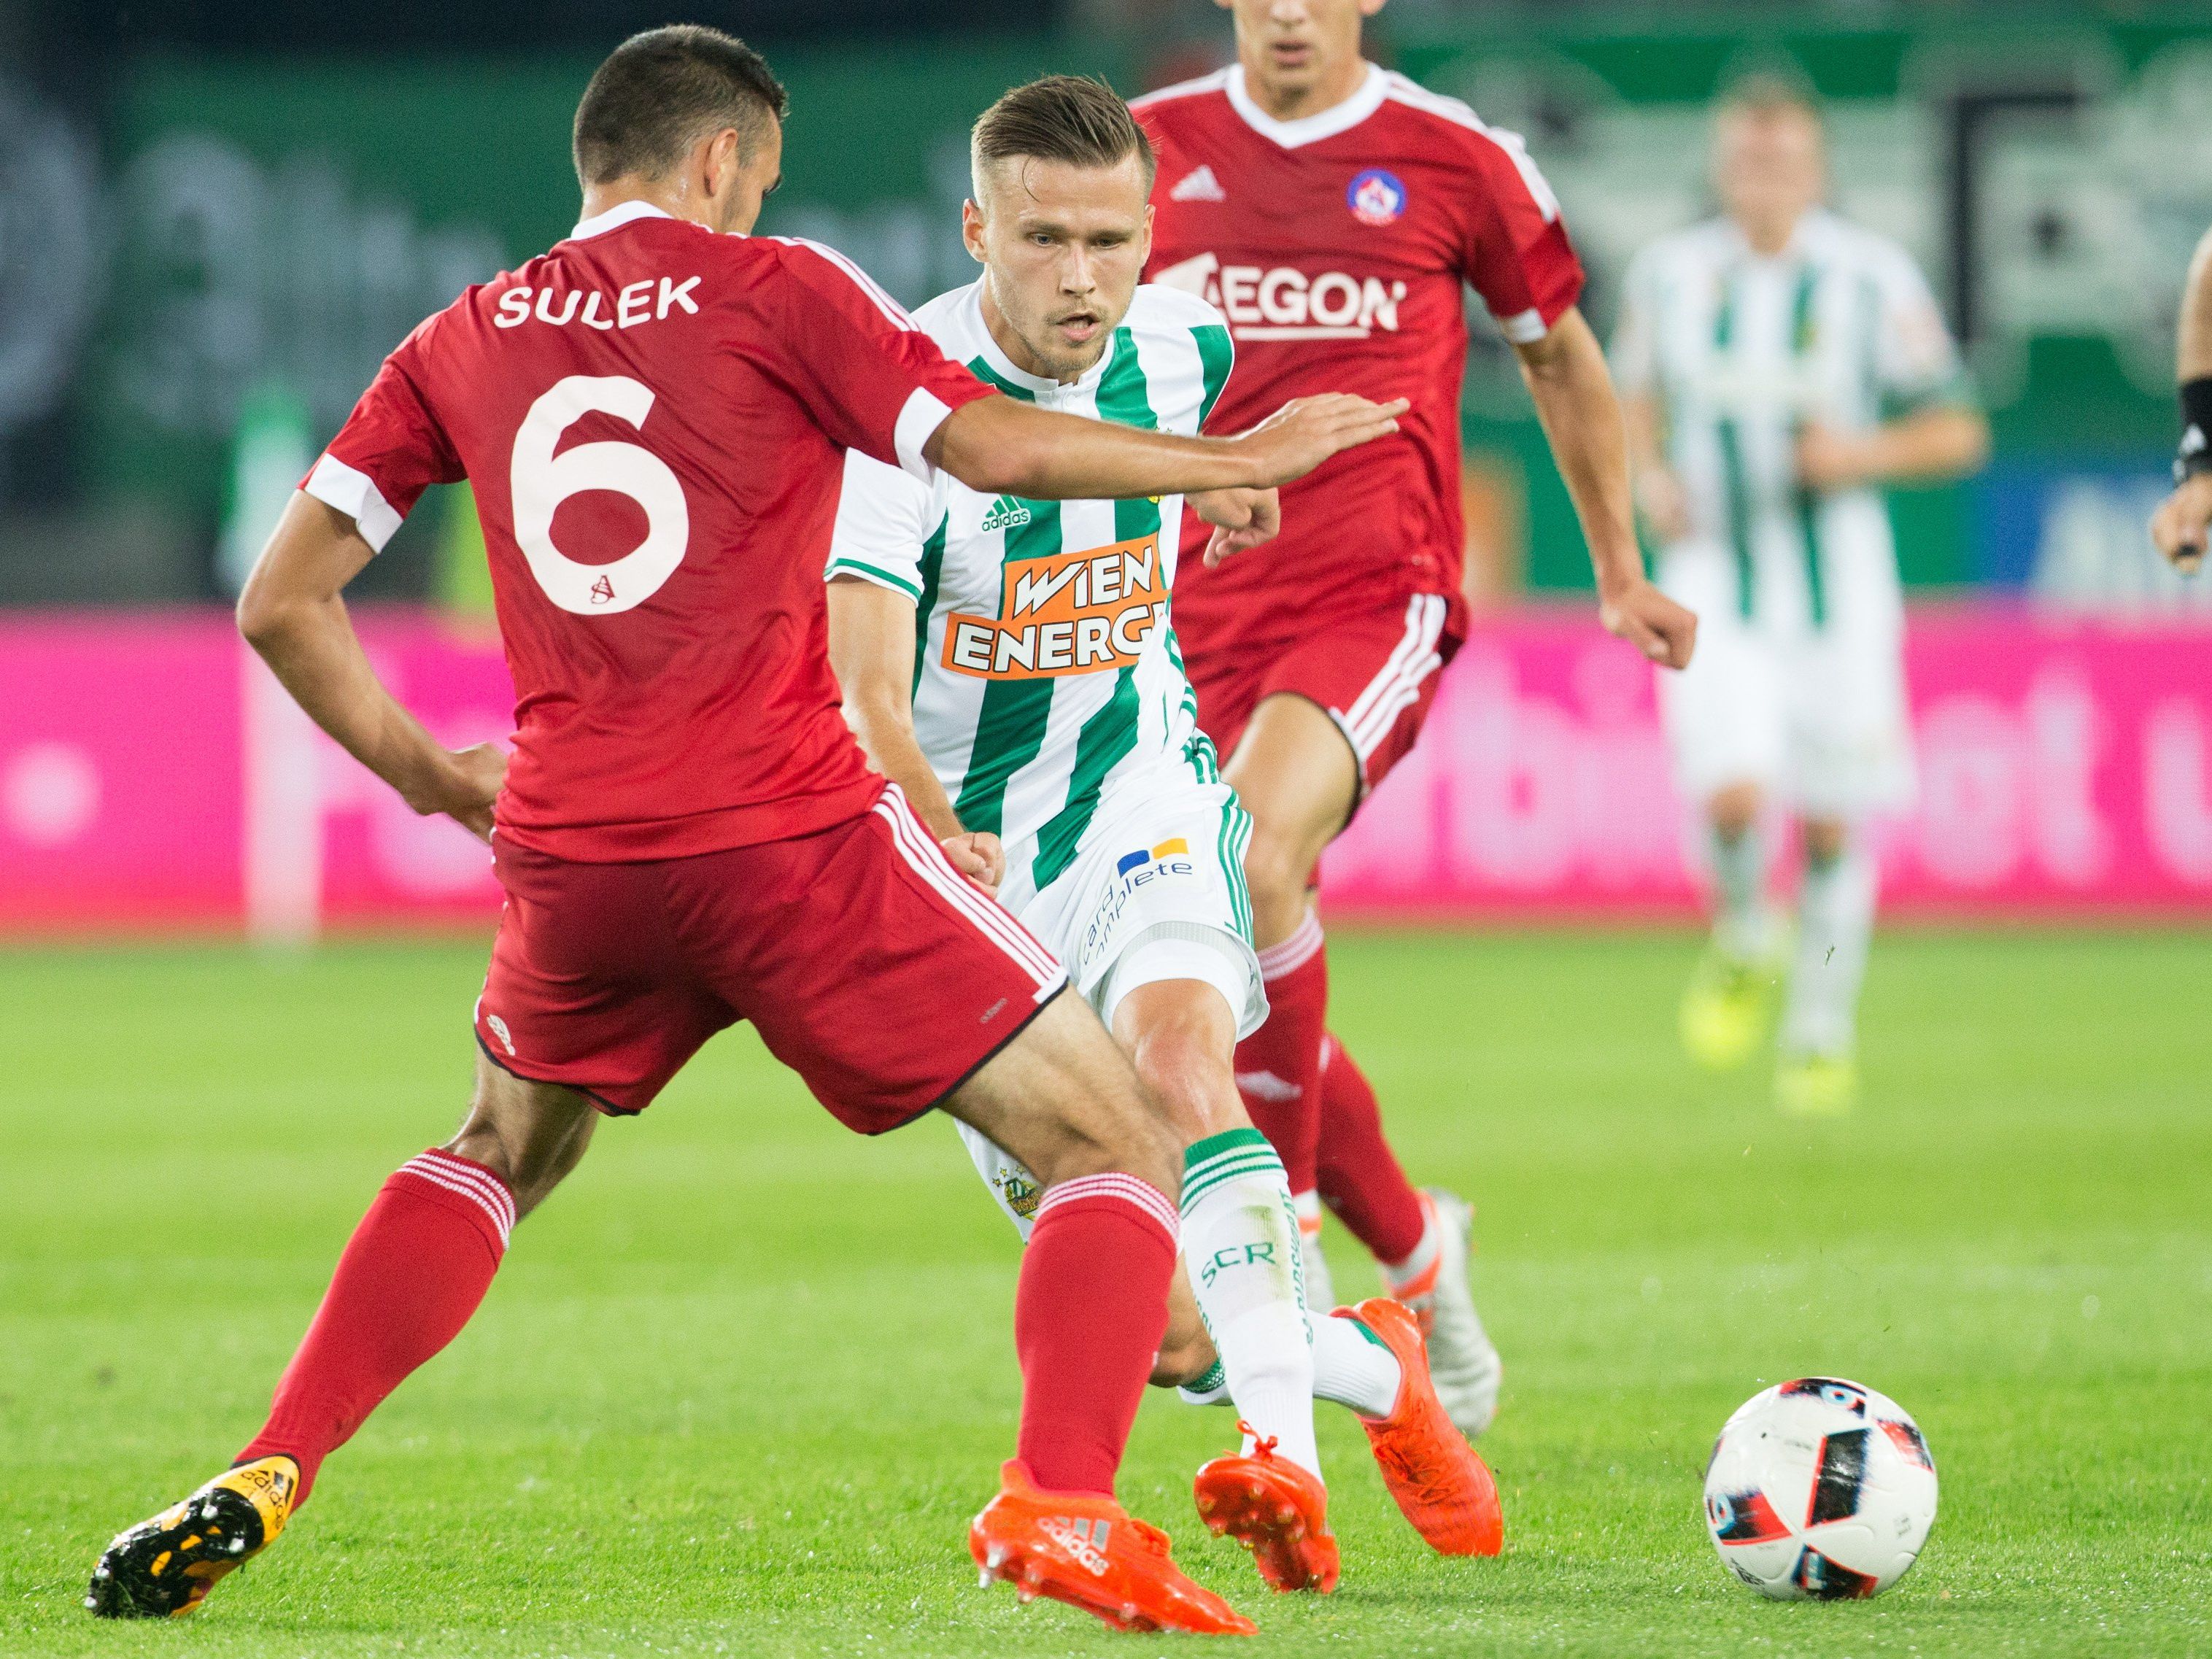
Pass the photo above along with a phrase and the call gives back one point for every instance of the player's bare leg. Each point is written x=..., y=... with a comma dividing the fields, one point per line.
x=1730, y=998
x=1298, y=776
x=1816, y=1073
x=1240, y=1253
x=1089, y=1315
x=414, y=1272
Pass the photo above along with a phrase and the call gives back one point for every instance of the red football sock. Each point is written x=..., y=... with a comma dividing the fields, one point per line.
x=409, y=1279
x=1279, y=1065
x=1088, y=1315
x=1359, y=1177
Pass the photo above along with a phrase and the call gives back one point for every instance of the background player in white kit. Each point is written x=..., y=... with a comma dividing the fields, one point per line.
x=1779, y=365
x=1009, y=663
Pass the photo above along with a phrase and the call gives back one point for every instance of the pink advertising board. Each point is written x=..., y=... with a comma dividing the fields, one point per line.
x=2064, y=766
x=151, y=775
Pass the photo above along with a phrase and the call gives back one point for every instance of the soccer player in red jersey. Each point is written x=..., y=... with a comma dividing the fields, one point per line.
x=654, y=417
x=1335, y=212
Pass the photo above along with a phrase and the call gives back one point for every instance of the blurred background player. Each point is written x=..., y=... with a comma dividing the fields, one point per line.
x=2178, y=528
x=688, y=827
x=1779, y=365
x=1010, y=665
x=1334, y=213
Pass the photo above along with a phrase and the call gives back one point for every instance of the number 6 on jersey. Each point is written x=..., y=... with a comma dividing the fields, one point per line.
x=542, y=481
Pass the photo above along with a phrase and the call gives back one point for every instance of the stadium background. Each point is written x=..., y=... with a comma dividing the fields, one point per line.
x=742, y=1383
x=218, y=218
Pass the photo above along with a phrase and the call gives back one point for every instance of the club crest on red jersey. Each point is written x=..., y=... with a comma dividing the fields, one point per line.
x=1377, y=197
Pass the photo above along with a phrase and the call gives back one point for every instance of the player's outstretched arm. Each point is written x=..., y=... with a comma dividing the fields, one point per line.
x=1658, y=492
x=1573, y=391
x=292, y=612
x=1001, y=445
x=872, y=633
x=1948, y=441
x=2179, y=527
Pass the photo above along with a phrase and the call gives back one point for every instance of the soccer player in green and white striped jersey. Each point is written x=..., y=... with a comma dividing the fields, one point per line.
x=1777, y=366
x=1010, y=666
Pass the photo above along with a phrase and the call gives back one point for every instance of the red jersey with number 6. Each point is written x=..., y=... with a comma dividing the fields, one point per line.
x=653, y=419
x=1337, y=246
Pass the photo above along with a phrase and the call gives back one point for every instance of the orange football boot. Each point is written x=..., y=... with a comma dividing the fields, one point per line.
x=1274, y=1508
x=1091, y=1554
x=1440, y=1484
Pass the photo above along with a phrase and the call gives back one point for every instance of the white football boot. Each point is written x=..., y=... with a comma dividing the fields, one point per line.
x=1463, y=1362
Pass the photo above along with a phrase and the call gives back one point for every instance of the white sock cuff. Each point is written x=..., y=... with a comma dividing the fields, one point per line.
x=1137, y=1194
x=466, y=1179
x=1293, y=953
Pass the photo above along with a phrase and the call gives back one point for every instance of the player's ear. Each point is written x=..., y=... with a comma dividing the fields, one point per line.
x=1144, y=239
x=971, y=228
x=714, y=164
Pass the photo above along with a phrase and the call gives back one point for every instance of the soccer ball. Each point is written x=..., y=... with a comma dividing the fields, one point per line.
x=1819, y=1488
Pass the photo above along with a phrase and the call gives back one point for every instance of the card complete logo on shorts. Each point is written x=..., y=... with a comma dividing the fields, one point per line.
x=1177, y=847
x=1068, y=613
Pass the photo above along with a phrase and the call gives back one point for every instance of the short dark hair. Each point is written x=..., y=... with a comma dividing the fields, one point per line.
x=1061, y=118
x=1766, y=94
x=660, y=92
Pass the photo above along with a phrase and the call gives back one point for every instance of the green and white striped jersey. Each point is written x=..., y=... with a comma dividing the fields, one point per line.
x=1045, y=672
x=1741, y=352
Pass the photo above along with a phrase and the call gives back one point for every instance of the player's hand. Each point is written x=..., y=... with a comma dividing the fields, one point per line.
x=1829, y=460
x=463, y=785
x=1242, y=520
x=1662, y=630
x=1662, y=503
x=2178, y=528
x=1306, y=431
x=979, y=856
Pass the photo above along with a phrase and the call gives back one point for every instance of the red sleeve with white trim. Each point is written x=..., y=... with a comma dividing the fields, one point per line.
x=1518, y=255
x=874, y=381
x=390, y=450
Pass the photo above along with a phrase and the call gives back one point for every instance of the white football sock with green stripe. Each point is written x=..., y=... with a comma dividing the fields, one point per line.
x=1240, y=1246
x=1352, y=1368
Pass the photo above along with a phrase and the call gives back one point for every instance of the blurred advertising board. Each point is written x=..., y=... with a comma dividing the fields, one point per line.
x=152, y=775
x=268, y=229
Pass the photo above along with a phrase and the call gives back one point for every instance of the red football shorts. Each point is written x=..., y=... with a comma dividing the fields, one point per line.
x=869, y=965
x=1375, y=672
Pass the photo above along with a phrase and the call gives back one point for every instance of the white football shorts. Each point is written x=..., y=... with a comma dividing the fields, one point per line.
x=1815, y=715
x=1157, y=892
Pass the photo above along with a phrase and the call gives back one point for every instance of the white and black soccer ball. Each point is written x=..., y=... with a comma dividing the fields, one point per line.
x=1819, y=1488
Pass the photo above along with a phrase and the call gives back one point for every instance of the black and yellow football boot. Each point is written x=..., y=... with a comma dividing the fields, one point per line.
x=165, y=1567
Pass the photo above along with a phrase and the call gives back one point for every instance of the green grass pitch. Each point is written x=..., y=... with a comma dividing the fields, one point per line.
x=743, y=1380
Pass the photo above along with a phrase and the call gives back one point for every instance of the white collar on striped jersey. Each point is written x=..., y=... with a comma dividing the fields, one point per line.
x=1003, y=366
x=620, y=214
x=1812, y=235
x=1307, y=129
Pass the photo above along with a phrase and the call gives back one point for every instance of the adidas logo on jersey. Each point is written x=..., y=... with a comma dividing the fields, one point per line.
x=1199, y=186
x=1006, y=514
